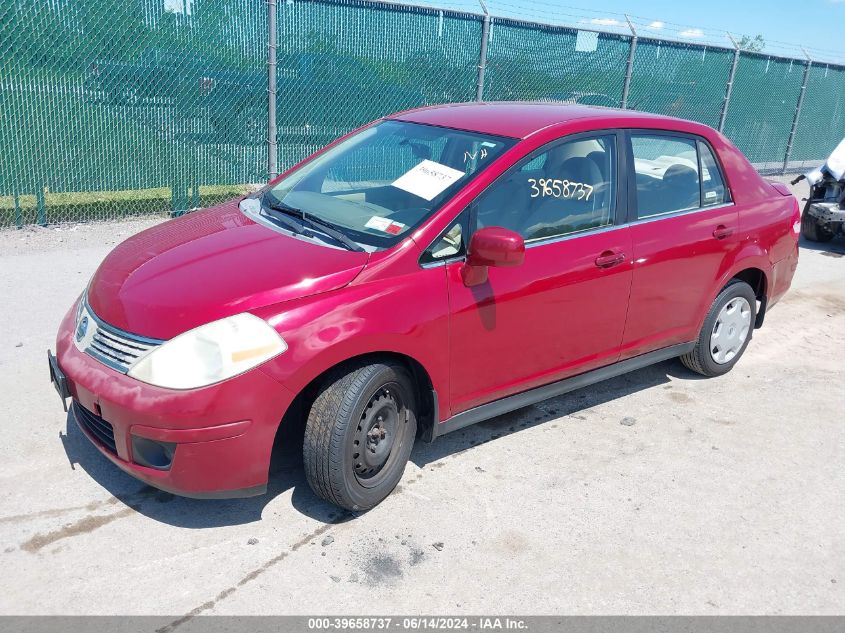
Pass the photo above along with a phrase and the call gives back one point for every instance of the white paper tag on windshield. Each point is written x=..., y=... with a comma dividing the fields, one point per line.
x=428, y=179
x=384, y=225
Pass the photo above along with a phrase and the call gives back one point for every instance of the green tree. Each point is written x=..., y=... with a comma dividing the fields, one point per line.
x=752, y=44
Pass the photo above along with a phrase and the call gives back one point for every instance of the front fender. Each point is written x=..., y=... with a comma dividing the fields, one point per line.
x=405, y=315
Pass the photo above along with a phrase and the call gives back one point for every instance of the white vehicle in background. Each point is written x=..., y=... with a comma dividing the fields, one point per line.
x=824, y=214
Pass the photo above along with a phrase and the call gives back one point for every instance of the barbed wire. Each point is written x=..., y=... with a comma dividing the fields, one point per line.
x=552, y=13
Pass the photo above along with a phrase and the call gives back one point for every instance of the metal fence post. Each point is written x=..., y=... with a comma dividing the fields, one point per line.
x=41, y=205
x=272, y=129
x=629, y=71
x=797, y=112
x=194, y=202
x=18, y=210
x=179, y=202
x=730, y=86
x=482, y=57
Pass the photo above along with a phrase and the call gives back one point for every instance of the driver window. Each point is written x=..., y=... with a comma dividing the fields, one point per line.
x=565, y=189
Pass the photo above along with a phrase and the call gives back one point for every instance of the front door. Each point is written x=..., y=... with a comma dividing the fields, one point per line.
x=562, y=311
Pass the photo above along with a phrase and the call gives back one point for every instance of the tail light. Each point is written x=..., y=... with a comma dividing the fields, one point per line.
x=796, y=218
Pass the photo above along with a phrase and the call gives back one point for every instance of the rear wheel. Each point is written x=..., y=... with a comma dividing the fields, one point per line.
x=359, y=434
x=726, y=331
x=814, y=230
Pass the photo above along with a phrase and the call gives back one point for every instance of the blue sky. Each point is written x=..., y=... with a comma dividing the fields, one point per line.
x=786, y=26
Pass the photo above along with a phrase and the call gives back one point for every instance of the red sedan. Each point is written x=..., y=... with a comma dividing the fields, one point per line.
x=427, y=271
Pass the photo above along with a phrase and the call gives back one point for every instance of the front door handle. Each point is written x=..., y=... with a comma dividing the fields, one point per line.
x=609, y=259
x=722, y=231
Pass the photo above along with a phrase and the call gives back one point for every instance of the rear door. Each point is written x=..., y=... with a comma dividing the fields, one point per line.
x=684, y=230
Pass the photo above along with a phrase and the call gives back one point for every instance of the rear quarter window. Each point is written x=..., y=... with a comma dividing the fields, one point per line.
x=713, y=187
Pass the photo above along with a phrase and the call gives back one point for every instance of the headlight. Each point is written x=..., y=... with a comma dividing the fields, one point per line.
x=210, y=353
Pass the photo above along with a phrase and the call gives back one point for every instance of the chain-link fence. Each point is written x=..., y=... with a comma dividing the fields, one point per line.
x=117, y=107
x=112, y=108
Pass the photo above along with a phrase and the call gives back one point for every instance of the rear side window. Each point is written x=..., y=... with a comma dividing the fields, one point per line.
x=713, y=190
x=667, y=175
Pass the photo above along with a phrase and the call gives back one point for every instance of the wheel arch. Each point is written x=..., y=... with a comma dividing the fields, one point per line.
x=425, y=391
x=753, y=266
x=759, y=282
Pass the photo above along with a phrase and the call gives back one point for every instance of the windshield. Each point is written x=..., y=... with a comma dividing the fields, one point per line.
x=383, y=182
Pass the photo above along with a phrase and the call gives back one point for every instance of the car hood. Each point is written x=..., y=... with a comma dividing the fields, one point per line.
x=208, y=265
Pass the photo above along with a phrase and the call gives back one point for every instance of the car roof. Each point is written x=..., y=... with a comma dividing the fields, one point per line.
x=520, y=119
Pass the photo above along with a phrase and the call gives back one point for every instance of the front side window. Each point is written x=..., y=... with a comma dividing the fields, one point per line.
x=565, y=189
x=666, y=170
x=379, y=184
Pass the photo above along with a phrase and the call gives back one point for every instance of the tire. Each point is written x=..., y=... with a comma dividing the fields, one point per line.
x=814, y=230
x=359, y=434
x=716, y=352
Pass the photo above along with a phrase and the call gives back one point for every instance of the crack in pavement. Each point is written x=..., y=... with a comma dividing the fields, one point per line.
x=255, y=573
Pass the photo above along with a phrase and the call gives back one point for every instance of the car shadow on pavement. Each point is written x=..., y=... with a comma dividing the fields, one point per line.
x=833, y=248
x=286, y=471
x=569, y=404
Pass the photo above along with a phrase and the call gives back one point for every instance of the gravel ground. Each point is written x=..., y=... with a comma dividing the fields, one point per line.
x=654, y=493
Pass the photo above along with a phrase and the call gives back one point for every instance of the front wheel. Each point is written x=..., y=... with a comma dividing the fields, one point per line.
x=726, y=331
x=359, y=434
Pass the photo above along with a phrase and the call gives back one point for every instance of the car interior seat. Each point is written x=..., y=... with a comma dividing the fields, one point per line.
x=600, y=159
x=679, y=188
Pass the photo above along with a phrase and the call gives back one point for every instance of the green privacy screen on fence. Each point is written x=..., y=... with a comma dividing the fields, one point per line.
x=822, y=120
x=100, y=97
x=528, y=61
x=342, y=64
x=762, y=106
x=680, y=80
x=122, y=107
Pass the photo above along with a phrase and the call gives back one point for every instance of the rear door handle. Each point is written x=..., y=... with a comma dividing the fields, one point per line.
x=722, y=231
x=609, y=259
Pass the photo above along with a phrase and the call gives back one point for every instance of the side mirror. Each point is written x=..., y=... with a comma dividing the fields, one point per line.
x=491, y=246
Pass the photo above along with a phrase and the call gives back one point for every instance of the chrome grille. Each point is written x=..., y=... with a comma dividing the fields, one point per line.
x=118, y=349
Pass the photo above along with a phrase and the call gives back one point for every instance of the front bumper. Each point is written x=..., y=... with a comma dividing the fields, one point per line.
x=223, y=434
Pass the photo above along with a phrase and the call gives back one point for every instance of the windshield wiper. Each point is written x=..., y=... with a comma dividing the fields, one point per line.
x=315, y=221
x=285, y=220
x=329, y=229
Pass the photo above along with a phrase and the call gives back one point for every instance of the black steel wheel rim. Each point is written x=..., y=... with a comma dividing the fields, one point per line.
x=379, y=436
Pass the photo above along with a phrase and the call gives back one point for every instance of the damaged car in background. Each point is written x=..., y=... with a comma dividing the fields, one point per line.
x=824, y=214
